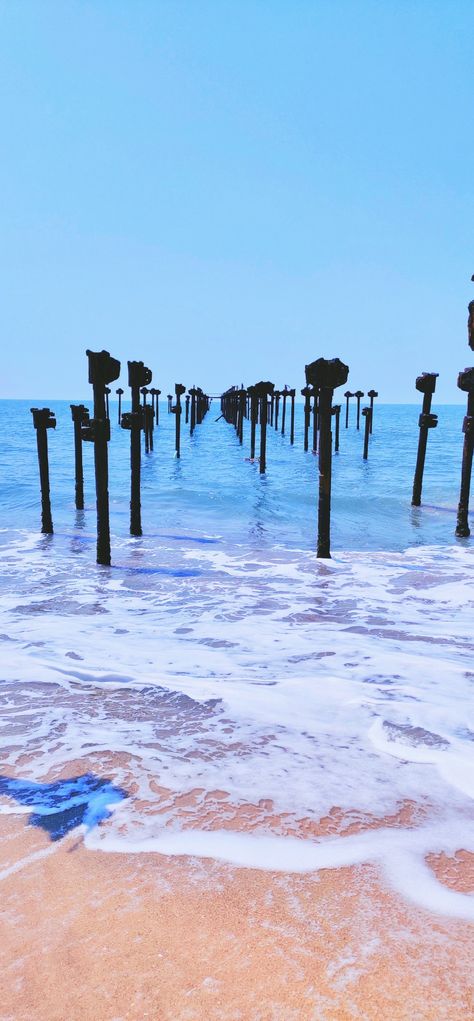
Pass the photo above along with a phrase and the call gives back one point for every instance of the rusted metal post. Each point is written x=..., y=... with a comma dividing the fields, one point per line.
x=292, y=394
x=139, y=375
x=372, y=394
x=425, y=384
x=263, y=391
x=325, y=375
x=367, y=414
x=187, y=408
x=336, y=410
x=179, y=389
x=44, y=419
x=103, y=369
x=466, y=383
x=306, y=393
x=348, y=394
x=107, y=394
x=80, y=417
x=119, y=392
x=358, y=394
x=315, y=419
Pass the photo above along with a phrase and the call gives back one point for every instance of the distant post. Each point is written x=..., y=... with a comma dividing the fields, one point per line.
x=425, y=384
x=138, y=376
x=103, y=369
x=372, y=394
x=80, y=417
x=337, y=414
x=367, y=414
x=263, y=391
x=292, y=394
x=44, y=419
x=325, y=375
x=466, y=383
x=306, y=393
x=179, y=390
x=348, y=394
x=358, y=394
x=119, y=392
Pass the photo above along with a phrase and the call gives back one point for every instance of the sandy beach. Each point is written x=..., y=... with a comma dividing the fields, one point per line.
x=92, y=936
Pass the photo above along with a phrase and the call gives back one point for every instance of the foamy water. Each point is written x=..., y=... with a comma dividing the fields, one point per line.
x=255, y=706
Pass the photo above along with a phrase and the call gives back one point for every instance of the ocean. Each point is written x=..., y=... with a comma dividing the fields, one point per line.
x=220, y=693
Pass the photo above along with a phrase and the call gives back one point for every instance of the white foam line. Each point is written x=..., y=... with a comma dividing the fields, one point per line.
x=24, y=862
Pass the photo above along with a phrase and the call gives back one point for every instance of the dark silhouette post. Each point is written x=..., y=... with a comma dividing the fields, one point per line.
x=146, y=424
x=292, y=394
x=103, y=369
x=178, y=389
x=315, y=419
x=119, y=392
x=367, y=414
x=306, y=393
x=157, y=406
x=192, y=424
x=187, y=408
x=138, y=376
x=372, y=394
x=466, y=383
x=358, y=394
x=337, y=414
x=44, y=419
x=425, y=384
x=80, y=417
x=242, y=403
x=252, y=397
x=325, y=375
x=348, y=394
x=263, y=391
x=107, y=394
x=284, y=395
x=276, y=401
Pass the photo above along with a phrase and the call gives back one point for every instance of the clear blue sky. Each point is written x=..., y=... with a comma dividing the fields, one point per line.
x=228, y=189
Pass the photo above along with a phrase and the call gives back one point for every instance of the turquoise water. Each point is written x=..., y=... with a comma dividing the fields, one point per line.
x=212, y=491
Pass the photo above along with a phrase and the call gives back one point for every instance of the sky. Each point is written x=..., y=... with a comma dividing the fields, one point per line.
x=229, y=189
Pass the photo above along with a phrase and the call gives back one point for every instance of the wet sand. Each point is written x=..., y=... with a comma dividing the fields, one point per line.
x=89, y=936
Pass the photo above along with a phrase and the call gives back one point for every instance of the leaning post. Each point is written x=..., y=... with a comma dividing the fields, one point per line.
x=44, y=419
x=425, y=384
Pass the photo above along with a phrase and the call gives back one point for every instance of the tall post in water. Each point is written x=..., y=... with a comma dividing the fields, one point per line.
x=192, y=424
x=179, y=389
x=157, y=406
x=325, y=375
x=263, y=391
x=44, y=419
x=170, y=402
x=367, y=414
x=284, y=395
x=292, y=394
x=425, y=384
x=306, y=393
x=119, y=392
x=337, y=414
x=103, y=369
x=466, y=383
x=187, y=400
x=348, y=394
x=315, y=419
x=138, y=376
x=252, y=397
x=107, y=395
x=242, y=404
x=358, y=394
x=372, y=394
x=146, y=428
x=276, y=399
x=80, y=417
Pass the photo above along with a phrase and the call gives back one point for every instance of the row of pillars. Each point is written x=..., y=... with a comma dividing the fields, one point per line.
x=103, y=369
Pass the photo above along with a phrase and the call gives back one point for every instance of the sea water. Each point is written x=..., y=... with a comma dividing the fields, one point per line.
x=218, y=686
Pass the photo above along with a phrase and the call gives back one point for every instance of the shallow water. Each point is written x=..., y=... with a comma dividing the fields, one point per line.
x=223, y=678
